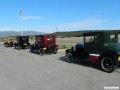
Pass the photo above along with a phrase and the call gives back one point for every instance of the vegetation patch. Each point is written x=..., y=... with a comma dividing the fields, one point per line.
x=64, y=45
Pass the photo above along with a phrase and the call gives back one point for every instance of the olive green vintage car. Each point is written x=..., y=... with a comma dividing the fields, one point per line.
x=101, y=47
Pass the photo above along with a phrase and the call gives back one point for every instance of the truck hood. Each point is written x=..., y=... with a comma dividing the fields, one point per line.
x=113, y=47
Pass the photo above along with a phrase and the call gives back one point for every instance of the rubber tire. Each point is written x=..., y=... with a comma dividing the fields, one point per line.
x=55, y=51
x=28, y=47
x=104, y=63
x=69, y=57
x=7, y=45
x=4, y=45
x=19, y=47
x=41, y=53
x=15, y=46
x=31, y=49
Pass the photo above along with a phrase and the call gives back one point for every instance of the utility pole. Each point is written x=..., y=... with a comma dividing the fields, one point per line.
x=21, y=17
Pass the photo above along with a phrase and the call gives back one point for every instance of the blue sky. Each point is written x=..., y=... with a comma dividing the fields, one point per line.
x=67, y=15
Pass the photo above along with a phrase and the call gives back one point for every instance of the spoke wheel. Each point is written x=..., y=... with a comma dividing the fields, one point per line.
x=19, y=47
x=69, y=57
x=41, y=52
x=31, y=49
x=55, y=51
x=107, y=64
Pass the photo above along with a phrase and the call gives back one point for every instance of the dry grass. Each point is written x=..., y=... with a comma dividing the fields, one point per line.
x=68, y=42
x=64, y=45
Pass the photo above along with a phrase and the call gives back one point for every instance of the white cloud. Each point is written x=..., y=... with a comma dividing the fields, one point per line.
x=82, y=25
x=8, y=29
x=85, y=23
x=31, y=17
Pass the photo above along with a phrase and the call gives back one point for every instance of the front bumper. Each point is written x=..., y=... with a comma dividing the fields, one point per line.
x=119, y=61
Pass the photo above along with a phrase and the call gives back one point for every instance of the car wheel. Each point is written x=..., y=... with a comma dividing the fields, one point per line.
x=69, y=57
x=31, y=49
x=15, y=46
x=19, y=47
x=4, y=45
x=7, y=45
x=107, y=64
x=55, y=51
x=41, y=52
x=28, y=47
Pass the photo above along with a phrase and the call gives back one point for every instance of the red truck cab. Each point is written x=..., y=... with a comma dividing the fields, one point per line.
x=45, y=43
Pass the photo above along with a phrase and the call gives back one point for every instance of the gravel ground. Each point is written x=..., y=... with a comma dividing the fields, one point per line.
x=22, y=70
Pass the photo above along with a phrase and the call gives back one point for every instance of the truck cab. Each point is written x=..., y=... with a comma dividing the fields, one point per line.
x=104, y=41
x=8, y=42
x=22, y=42
x=98, y=46
x=44, y=44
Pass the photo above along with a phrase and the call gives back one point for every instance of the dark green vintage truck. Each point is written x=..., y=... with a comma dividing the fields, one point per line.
x=101, y=47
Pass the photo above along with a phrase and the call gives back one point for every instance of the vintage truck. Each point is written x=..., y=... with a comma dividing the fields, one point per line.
x=44, y=44
x=22, y=42
x=8, y=42
x=100, y=47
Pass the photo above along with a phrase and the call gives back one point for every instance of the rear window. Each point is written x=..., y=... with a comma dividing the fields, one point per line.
x=24, y=38
x=89, y=39
x=40, y=39
x=112, y=37
x=50, y=38
x=118, y=38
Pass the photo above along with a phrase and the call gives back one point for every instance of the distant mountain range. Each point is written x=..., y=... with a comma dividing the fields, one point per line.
x=77, y=33
x=58, y=34
x=16, y=33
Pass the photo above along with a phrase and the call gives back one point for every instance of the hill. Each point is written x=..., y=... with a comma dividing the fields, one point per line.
x=69, y=34
x=75, y=33
x=15, y=33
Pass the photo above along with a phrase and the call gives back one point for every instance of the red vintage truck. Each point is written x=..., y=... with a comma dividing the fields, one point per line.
x=44, y=44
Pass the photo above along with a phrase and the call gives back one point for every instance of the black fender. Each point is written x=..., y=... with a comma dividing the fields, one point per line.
x=32, y=46
x=68, y=50
x=15, y=45
x=71, y=51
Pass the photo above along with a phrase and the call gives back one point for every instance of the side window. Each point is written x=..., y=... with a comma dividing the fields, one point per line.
x=118, y=38
x=18, y=39
x=112, y=37
x=39, y=39
x=98, y=38
x=24, y=38
x=89, y=39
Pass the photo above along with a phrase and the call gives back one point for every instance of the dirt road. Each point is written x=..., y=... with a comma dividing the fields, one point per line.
x=22, y=70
